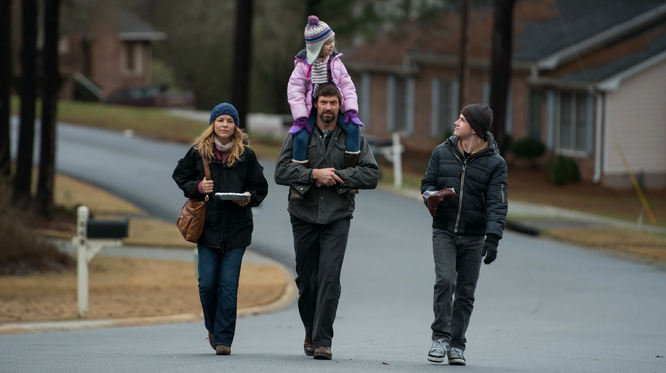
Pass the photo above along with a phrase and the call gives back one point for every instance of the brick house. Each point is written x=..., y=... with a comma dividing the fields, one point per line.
x=103, y=54
x=113, y=53
x=586, y=76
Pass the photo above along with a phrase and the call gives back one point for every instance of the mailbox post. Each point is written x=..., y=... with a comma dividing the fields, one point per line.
x=91, y=237
x=394, y=154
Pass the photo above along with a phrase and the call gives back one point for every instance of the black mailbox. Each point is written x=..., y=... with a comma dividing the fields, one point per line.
x=110, y=229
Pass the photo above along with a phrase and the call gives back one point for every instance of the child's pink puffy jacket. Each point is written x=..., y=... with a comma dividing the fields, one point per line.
x=299, y=89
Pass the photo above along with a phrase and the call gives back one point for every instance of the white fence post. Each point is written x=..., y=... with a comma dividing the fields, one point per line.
x=83, y=213
x=397, y=160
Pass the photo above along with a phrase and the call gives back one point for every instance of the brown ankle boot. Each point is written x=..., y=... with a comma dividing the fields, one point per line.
x=351, y=160
x=222, y=350
x=308, y=346
x=323, y=353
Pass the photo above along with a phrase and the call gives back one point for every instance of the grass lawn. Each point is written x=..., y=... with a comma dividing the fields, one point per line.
x=651, y=246
x=127, y=287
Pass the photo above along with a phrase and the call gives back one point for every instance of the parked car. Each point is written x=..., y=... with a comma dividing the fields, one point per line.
x=152, y=96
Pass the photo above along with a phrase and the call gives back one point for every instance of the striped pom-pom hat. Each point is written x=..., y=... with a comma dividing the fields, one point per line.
x=316, y=34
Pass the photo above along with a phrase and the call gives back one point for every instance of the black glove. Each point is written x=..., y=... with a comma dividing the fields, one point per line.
x=437, y=197
x=490, y=248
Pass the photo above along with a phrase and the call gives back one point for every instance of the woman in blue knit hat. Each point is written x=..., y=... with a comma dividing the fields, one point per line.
x=319, y=63
x=228, y=226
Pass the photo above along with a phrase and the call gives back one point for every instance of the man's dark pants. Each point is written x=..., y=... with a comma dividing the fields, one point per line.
x=457, y=266
x=320, y=251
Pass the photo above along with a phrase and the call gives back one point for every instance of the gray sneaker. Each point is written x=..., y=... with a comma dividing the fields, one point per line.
x=456, y=356
x=438, y=350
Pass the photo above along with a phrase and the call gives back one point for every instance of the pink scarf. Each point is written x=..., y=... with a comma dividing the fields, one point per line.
x=222, y=150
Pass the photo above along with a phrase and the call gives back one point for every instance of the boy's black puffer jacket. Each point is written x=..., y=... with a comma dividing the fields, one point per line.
x=480, y=183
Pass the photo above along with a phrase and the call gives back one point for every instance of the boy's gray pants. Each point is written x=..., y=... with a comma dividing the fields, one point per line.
x=457, y=266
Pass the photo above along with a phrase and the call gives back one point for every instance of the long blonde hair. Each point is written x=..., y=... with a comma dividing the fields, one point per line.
x=204, y=144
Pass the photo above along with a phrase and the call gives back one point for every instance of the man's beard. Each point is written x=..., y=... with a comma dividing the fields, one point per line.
x=324, y=119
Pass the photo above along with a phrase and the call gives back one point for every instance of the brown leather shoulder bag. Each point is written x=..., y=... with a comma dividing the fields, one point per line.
x=193, y=215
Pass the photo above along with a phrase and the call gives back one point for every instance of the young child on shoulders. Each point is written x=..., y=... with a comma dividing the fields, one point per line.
x=319, y=63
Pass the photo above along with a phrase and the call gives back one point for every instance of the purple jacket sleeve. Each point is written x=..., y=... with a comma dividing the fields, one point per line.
x=346, y=86
x=297, y=90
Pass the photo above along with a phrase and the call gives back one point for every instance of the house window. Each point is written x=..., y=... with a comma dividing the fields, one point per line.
x=63, y=46
x=131, y=58
x=444, y=94
x=575, y=122
x=400, y=104
x=534, y=125
x=400, y=97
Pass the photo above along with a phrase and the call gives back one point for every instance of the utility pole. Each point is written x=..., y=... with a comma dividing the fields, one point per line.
x=463, y=67
x=240, y=79
x=5, y=84
x=50, y=88
x=501, y=69
x=23, y=181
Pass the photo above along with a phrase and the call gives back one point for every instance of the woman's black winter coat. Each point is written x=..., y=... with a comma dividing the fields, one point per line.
x=227, y=225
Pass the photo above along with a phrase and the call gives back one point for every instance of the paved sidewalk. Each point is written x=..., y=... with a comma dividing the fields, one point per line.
x=531, y=218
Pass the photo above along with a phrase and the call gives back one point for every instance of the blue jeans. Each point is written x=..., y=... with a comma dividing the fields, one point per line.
x=218, y=289
x=301, y=139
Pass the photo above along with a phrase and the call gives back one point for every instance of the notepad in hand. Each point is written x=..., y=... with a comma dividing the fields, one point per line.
x=231, y=196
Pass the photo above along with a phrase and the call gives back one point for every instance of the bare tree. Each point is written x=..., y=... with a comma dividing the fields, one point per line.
x=51, y=84
x=23, y=180
x=241, y=60
x=501, y=69
x=311, y=7
x=463, y=67
x=5, y=84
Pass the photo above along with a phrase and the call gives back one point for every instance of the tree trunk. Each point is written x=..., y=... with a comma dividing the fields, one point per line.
x=463, y=67
x=51, y=85
x=240, y=78
x=23, y=180
x=311, y=8
x=5, y=85
x=501, y=69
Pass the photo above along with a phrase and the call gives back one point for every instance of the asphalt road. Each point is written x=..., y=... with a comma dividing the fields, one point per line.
x=541, y=307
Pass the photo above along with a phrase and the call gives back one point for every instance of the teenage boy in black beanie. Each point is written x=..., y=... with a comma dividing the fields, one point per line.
x=467, y=224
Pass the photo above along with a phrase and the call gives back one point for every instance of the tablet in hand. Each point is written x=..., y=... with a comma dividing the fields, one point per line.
x=232, y=196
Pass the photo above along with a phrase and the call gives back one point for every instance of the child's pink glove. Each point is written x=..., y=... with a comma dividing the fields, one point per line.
x=351, y=115
x=299, y=125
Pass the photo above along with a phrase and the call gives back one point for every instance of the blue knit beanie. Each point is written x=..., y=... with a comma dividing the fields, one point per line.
x=224, y=108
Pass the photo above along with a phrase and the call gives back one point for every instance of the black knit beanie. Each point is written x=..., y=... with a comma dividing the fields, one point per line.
x=479, y=117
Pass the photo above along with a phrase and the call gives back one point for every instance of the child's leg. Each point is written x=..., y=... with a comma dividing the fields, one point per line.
x=353, y=151
x=300, y=149
x=353, y=136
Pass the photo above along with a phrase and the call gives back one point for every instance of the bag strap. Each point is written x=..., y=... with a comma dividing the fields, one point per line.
x=206, y=171
x=206, y=168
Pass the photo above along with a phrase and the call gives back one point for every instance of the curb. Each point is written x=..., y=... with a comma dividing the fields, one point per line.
x=289, y=294
x=519, y=227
